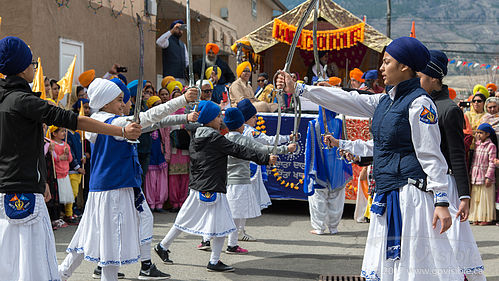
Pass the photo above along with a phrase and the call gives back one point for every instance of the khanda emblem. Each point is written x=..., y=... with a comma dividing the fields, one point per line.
x=428, y=115
x=207, y=196
x=19, y=201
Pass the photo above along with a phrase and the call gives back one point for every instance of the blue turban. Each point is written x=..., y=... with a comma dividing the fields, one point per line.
x=208, y=111
x=175, y=22
x=437, y=67
x=124, y=89
x=486, y=127
x=78, y=103
x=123, y=78
x=370, y=75
x=132, y=86
x=15, y=55
x=247, y=108
x=409, y=51
x=234, y=118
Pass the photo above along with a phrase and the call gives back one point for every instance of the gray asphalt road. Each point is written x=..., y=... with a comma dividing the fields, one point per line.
x=285, y=249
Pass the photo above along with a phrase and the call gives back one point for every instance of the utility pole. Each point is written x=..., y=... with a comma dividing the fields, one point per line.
x=388, y=18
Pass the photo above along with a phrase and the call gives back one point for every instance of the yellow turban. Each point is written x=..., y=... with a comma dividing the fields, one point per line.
x=481, y=89
x=210, y=70
x=86, y=78
x=150, y=101
x=53, y=128
x=357, y=75
x=172, y=85
x=241, y=67
x=167, y=80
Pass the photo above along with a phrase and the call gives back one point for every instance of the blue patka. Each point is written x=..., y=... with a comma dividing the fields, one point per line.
x=428, y=115
x=19, y=206
x=207, y=196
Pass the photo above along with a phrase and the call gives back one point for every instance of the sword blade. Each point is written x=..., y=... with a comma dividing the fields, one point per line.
x=189, y=43
x=138, y=98
x=316, y=50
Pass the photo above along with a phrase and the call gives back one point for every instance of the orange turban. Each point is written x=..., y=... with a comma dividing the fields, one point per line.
x=334, y=81
x=87, y=77
x=357, y=75
x=241, y=67
x=493, y=86
x=213, y=47
x=452, y=93
x=167, y=80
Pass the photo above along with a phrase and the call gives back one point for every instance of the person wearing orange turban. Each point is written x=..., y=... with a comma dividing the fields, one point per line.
x=492, y=88
x=167, y=80
x=334, y=81
x=212, y=59
x=86, y=77
x=213, y=48
x=356, y=78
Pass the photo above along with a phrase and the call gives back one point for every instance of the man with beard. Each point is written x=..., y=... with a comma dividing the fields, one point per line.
x=212, y=59
x=174, y=53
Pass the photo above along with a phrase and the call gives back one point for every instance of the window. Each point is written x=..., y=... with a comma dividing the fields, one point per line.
x=253, y=7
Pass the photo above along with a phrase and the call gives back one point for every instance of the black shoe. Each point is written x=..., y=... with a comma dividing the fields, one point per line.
x=153, y=273
x=205, y=246
x=98, y=272
x=163, y=254
x=174, y=210
x=219, y=267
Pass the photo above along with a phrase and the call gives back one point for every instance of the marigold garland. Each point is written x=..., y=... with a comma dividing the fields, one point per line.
x=327, y=40
x=261, y=128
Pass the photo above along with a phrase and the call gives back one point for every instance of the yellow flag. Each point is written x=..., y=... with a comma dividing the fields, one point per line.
x=2, y=76
x=66, y=83
x=39, y=82
x=82, y=113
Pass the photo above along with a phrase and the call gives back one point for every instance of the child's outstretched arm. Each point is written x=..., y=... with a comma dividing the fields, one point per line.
x=227, y=147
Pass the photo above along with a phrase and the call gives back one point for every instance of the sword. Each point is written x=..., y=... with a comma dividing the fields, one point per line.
x=192, y=83
x=203, y=68
x=287, y=66
x=138, y=98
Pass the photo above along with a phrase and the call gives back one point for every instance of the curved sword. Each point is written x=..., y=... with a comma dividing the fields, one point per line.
x=192, y=83
x=287, y=66
x=138, y=98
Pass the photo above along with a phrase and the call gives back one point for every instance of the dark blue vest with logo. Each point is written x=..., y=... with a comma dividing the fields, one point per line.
x=114, y=164
x=395, y=160
x=174, y=58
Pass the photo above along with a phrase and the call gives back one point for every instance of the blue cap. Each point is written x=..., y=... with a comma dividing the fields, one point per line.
x=124, y=89
x=175, y=22
x=132, y=87
x=78, y=103
x=409, y=51
x=370, y=75
x=234, y=118
x=486, y=127
x=15, y=55
x=247, y=108
x=208, y=111
x=122, y=78
x=437, y=67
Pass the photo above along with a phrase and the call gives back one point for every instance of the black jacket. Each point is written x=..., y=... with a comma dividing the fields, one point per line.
x=227, y=74
x=450, y=122
x=208, y=152
x=22, y=112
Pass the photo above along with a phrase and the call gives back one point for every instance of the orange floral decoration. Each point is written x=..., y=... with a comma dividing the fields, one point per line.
x=327, y=40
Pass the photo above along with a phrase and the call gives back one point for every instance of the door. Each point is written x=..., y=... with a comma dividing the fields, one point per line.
x=67, y=50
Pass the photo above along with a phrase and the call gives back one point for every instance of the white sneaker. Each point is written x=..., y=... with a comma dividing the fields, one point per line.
x=243, y=236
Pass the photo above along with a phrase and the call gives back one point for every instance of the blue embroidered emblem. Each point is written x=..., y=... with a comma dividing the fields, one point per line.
x=207, y=196
x=19, y=206
x=428, y=115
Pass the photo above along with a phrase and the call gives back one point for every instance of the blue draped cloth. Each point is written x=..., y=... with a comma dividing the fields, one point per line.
x=323, y=169
x=389, y=202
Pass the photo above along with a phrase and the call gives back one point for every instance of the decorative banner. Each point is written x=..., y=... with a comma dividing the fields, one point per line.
x=327, y=40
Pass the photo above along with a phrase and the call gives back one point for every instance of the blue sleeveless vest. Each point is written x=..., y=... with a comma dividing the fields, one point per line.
x=114, y=164
x=174, y=58
x=394, y=157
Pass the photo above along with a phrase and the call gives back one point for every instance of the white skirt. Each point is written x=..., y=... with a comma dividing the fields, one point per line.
x=65, y=191
x=461, y=238
x=262, y=196
x=27, y=250
x=425, y=254
x=212, y=219
x=108, y=233
x=242, y=201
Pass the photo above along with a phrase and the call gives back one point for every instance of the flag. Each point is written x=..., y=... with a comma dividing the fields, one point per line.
x=66, y=82
x=82, y=113
x=413, y=30
x=2, y=76
x=39, y=81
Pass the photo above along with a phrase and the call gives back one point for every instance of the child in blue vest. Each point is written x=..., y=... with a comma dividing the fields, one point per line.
x=206, y=211
x=108, y=233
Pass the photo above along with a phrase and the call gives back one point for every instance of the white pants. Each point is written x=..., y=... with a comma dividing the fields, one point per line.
x=326, y=209
x=360, y=204
x=146, y=221
x=232, y=239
